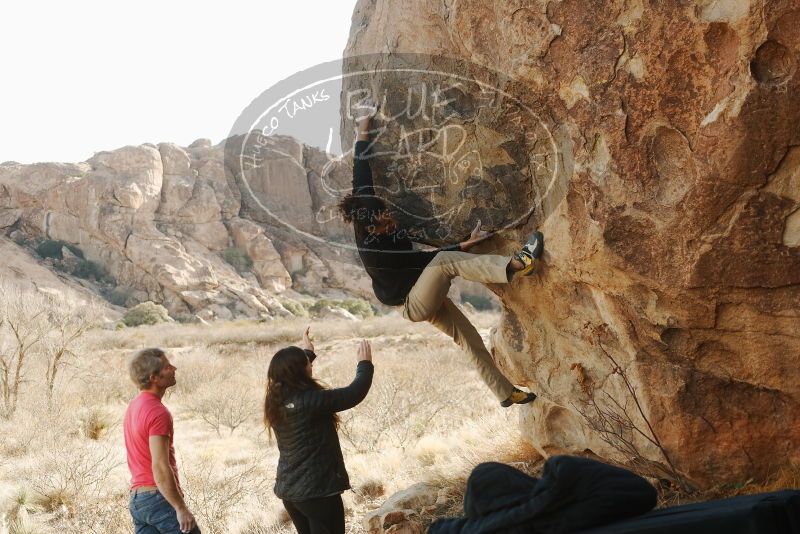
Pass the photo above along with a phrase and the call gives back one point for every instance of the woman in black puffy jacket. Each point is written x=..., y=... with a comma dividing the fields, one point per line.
x=302, y=414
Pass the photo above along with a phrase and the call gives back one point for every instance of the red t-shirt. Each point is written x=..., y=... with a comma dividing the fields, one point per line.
x=146, y=416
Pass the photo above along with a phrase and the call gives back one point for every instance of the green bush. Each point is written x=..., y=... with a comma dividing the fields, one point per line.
x=319, y=304
x=20, y=239
x=146, y=313
x=89, y=270
x=355, y=306
x=295, y=307
x=51, y=248
x=358, y=307
x=238, y=258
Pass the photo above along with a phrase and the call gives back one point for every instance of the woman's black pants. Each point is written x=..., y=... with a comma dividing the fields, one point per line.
x=317, y=516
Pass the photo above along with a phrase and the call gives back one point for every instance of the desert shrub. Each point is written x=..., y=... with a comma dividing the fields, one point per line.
x=68, y=473
x=222, y=408
x=370, y=489
x=33, y=328
x=186, y=318
x=479, y=302
x=295, y=307
x=198, y=368
x=355, y=306
x=238, y=258
x=117, y=296
x=94, y=423
x=214, y=495
x=618, y=418
x=430, y=448
x=275, y=521
x=315, y=307
x=22, y=434
x=107, y=514
x=51, y=248
x=20, y=239
x=23, y=329
x=18, y=507
x=367, y=431
x=90, y=270
x=69, y=322
x=146, y=313
x=358, y=307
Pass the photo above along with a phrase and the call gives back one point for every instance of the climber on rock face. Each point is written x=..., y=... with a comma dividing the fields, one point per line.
x=419, y=280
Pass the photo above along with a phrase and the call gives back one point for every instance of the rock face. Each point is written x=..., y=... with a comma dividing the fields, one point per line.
x=399, y=514
x=160, y=220
x=670, y=131
x=20, y=269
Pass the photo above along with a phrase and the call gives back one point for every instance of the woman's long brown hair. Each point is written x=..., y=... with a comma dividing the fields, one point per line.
x=286, y=375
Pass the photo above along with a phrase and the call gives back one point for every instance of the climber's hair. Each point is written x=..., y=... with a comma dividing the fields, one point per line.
x=361, y=209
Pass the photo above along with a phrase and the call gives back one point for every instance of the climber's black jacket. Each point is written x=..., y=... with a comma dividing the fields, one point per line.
x=311, y=463
x=390, y=260
x=573, y=494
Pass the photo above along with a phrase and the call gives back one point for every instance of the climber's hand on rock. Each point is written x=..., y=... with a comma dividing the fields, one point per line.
x=365, y=110
x=475, y=237
x=477, y=234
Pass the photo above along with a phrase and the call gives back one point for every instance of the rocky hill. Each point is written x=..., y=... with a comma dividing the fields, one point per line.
x=664, y=324
x=168, y=224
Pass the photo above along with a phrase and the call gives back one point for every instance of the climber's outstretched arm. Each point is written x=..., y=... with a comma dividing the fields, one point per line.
x=474, y=238
x=362, y=174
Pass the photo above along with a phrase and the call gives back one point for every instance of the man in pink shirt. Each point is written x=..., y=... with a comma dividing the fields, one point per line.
x=156, y=502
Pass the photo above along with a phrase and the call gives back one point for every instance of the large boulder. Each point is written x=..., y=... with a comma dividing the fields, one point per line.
x=669, y=298
x=399, y=514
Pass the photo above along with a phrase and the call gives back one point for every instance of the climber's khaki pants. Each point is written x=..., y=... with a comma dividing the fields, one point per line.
x=427, y=301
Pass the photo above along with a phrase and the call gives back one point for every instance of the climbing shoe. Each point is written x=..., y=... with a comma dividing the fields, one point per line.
x=518, y=397
x=531, y=252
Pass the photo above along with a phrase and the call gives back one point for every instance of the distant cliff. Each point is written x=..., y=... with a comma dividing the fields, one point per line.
x=170, y=224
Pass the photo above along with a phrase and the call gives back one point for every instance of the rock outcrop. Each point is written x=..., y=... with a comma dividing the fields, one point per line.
x=400, y=514
x=22, y=270
x=160, y=220
x=659, y=148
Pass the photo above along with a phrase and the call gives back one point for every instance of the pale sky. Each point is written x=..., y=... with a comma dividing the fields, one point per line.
x=84, y=76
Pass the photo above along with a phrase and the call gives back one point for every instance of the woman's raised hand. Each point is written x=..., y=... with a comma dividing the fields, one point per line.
x=364, y=351
x=307, y=344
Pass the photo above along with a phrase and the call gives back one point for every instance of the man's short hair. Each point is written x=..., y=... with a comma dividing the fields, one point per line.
x=146, y=363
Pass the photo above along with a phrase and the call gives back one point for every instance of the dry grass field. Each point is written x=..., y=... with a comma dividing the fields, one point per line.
x=427, y=417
